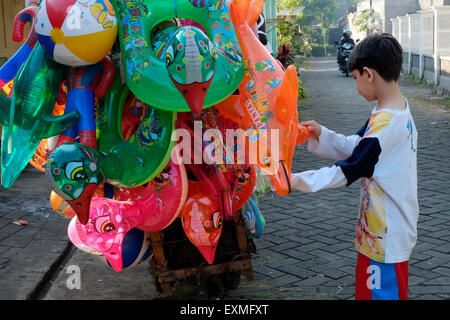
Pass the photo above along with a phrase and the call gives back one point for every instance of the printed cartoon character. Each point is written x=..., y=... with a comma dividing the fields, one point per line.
x=190, y=62
x=105, y=232
x=202, y=223
x=101, y=10
x=152, y=131
x=162, y=180
x=85, y=84
x=411, y=134
x=265, y=65
x=362, y=226
x=74, y=180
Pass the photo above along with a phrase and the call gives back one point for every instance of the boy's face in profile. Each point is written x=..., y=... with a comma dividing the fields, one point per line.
x=365, y=83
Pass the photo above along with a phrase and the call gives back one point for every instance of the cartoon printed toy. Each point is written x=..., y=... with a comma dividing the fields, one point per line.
x=80, y=34
x=27, y=116
x=190, y=64
x=143, y=70
x=135, y=247
x=76, y=171
x=229, y=181
x=202, y=221
x=269, y=98
x=73, y=33
x=149, y=208
x=253, y=219
x=161, y=200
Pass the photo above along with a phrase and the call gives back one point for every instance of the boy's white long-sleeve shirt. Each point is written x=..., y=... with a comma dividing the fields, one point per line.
x=383, y=155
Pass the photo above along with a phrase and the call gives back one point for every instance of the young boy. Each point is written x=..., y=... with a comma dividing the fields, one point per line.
x=383, y=155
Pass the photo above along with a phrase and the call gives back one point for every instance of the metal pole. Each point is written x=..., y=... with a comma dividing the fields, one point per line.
x=370, y=18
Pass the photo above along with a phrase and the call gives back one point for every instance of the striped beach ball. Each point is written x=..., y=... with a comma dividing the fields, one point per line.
x=76, y=32
x=136, y=248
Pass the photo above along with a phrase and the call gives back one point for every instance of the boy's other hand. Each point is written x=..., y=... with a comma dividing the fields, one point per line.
x=314, y=127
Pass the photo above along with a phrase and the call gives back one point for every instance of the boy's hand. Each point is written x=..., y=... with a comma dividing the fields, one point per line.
x=314, y=127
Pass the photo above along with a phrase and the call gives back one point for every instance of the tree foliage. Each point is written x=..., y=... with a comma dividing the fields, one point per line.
x=362, y=22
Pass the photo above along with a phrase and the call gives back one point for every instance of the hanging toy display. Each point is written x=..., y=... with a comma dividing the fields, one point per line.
x=97, y=96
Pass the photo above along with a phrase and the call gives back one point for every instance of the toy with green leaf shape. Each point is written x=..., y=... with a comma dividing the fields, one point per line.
x=27, y=116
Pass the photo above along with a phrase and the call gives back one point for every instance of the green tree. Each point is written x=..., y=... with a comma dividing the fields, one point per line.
x=320, y=13
x=287, y=26
x=363, y=21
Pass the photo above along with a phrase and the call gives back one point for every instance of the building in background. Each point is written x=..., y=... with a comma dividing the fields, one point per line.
x=425, y=39
x=383, y=11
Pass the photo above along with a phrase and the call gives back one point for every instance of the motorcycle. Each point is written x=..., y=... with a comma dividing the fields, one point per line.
x=344, y=51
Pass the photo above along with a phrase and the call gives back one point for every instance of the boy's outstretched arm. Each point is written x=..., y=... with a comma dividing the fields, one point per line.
x=361, y=163
x=328, y=144
x=315, y=180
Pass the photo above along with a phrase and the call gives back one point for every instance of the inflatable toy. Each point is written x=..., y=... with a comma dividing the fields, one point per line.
x=75, y=170
x=60, y=206
x=186, y=22
x=9, y=70
x=135, y=248
x=80, y=34
x=190, y=63
x=27, y=116
x=85, y=84
x=150, y=208
x=269, y=98
x=76, y=32
x=201, y=220
x=72, y=232
x=143, y=70
x=39, y=159
x=253, y=219
x=158, y=203
x=160, y=40
x=230, y=182
x=7, y=88
x=303, y=134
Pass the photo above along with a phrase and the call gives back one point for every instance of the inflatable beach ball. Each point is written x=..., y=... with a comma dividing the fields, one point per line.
x=136, y=248
x=76, y=32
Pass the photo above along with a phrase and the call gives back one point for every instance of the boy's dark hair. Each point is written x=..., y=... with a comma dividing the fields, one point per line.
x=381, y=52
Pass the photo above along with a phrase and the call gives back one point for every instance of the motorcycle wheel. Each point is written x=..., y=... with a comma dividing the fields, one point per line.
x=345, y=70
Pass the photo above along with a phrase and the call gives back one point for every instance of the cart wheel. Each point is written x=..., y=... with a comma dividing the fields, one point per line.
x=231, y=280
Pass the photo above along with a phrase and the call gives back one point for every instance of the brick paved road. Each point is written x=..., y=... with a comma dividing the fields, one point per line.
x=307, y=249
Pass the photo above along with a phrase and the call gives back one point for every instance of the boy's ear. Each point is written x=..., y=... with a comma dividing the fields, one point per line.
x=370, y=74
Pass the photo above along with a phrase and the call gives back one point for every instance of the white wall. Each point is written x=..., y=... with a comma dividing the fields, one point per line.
x=425, y=39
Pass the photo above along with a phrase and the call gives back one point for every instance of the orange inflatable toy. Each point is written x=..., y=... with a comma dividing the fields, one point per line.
x=201, y=220
x=268, y=97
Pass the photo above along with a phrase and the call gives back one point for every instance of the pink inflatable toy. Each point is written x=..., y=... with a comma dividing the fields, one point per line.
x=149, y=208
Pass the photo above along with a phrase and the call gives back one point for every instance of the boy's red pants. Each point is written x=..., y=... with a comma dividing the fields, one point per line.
x=381, y=281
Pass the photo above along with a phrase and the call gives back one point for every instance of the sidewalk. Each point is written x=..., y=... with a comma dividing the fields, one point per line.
x=306, y=251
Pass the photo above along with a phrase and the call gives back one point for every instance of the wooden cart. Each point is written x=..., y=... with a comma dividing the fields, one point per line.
x=176, y=259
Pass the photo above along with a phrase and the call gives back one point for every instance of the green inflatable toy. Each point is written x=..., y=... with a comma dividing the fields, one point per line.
x=149, y=79
x=76, y=171
x=27, y=116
